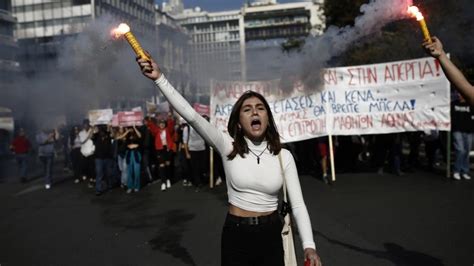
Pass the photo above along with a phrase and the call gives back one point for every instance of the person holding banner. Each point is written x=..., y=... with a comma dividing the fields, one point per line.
x=255, y=165
x=133, y=159
x=435, y=49
x=164, y=145
x=46, y=140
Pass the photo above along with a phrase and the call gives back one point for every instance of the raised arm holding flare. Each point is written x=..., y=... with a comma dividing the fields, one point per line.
x=435, y=49
x=252, y=231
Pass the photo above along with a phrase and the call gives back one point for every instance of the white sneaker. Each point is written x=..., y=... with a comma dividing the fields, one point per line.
x=218, y=181
x=163, y=187
x=76, y=181
x=47, y=186
x=84, y=178
x=457, y=176
x=168, y=183
x=129, y=191
x=466, y=176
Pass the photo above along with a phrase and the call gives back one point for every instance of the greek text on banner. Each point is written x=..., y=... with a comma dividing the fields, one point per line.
x=410, y=95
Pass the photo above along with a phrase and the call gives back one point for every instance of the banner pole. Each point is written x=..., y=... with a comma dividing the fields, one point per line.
x=448, y=155
x=211, y=167
x=331, y=158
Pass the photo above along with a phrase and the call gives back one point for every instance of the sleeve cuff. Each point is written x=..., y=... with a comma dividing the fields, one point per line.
x=309, y=245
x=162, y=79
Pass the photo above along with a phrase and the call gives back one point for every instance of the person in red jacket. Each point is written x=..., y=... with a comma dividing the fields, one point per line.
x=21, y=146
x=164, y=146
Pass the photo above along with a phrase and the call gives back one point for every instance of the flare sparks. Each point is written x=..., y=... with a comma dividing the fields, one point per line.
x=124, y=30
x=415, y=12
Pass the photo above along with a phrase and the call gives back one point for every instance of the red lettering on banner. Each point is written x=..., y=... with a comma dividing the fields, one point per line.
x=353, y=122
x=304, y=127
x=437, y=65
x=427, y=70
x=330, y=77
x=362, y=75
x=397, y=120
x=236, y=89
x=299, y=115
x=403, y=71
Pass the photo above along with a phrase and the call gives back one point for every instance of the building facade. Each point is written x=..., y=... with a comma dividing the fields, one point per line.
x=8, y=43
x=43, y=25
x=216, y=45
x=174, y=52
x=9, y=66
x=234, y=45
x=9, y=70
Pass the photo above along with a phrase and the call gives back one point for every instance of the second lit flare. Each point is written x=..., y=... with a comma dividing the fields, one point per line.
x=415, y=12
x=124, y=30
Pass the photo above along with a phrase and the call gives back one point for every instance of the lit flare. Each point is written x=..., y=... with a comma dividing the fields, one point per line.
x=124, y=30
x=415, y=12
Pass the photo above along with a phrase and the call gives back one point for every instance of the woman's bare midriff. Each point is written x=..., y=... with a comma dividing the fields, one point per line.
x=236, y=211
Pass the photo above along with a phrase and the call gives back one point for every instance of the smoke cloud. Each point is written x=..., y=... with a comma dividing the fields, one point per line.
x=319, y=50
x=92, y=70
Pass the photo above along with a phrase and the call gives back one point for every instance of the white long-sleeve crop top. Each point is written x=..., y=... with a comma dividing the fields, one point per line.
x=250, y=186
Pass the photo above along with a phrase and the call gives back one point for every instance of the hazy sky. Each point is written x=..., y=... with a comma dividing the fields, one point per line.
x=220, y=5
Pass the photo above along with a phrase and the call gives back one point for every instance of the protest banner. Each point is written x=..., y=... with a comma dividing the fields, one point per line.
x=151, y=108
x=130, y=118
x=202, y=109
x=7, y=123
x=163, y=107
x=100, y=116
x=411, y=95
x=115, y=121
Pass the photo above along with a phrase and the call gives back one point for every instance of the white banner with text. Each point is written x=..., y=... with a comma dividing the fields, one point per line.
x=410, y=95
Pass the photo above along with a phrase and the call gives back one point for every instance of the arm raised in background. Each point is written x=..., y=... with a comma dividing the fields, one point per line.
x=212, y=135
x=435, y=49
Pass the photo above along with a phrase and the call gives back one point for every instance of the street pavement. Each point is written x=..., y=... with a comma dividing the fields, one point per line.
x=363, y=219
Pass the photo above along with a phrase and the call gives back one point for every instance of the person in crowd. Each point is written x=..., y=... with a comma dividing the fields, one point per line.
x=462, y=128
x=195, y=151
x=74, y=143
x=21, y=146
x=414, y=140
x=253, y=161
x=134, y=158
x=183, y=166
x=432, y=145
x=164, y=146
x=323, y=151
x=103, y=155
x=120, y=143
x=45, y=140
x=458, y=80
x=64, y=141
x=87, y=152
x=391, y=144
x=148, y=153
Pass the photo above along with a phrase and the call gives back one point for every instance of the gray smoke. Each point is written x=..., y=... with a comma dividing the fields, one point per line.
x=92, y=71
x=374, y=16
x=319, y=50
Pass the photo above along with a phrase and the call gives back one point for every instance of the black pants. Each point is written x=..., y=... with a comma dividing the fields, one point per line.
x=249, y=245
x=198, y=166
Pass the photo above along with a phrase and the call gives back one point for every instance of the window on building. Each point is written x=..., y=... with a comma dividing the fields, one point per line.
x=80, y=2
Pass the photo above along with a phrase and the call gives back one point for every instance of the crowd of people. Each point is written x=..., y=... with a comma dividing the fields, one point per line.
x=106, y=157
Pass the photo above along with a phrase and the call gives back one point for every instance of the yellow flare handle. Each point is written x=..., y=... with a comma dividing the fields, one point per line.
x=135, y=45
x=424, y=29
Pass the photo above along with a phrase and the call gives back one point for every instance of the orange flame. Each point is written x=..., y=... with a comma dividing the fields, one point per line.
x=120, y=30
x=415, y=12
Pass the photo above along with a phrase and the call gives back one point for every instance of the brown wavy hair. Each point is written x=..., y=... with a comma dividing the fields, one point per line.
x=271, y=134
